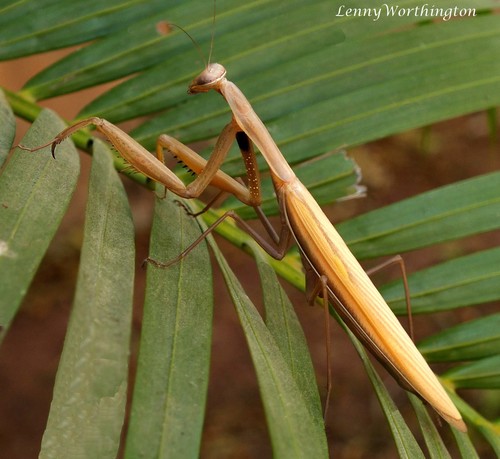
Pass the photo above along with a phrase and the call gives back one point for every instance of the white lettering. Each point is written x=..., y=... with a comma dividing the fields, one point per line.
x=424, y=11
x=339, y=12
x=390, y=10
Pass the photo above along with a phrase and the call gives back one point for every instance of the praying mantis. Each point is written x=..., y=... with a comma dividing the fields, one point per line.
x=332, y=271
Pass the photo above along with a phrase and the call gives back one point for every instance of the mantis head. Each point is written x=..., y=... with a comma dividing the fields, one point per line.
x=208, y=79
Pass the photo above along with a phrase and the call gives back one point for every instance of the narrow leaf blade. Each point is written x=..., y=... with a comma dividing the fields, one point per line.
x=284, y=326
x=405, y=441
x=452, y=211
x=468, y=341
x=35, y=191
x=59, y=26
x=435, y=445
x=463, y=281
x=489, y=430
x=330, y=177
x=481, y=374
x=88, y=407
x=172, y=378
x=294, y=432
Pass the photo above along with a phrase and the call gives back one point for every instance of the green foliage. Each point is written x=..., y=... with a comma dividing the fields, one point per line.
x=91, y=381
x=319, y=82
x=35, y=195
x=175, y=346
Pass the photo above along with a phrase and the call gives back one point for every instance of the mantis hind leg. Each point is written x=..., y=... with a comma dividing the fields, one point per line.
x=398, y=259
x=276, y=249
x=317, y=286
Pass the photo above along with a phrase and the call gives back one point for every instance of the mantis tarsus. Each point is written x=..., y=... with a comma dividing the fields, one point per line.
x=331, y=270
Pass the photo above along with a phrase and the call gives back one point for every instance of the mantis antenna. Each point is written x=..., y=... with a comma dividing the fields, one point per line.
x=212, y=36
x=164, y=28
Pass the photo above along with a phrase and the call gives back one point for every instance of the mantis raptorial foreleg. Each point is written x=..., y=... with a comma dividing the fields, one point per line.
x=208, y=172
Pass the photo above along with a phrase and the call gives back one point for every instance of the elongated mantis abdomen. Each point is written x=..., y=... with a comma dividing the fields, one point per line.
x=360, y=304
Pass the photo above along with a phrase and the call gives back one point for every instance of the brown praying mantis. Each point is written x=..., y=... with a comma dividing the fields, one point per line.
x=332, y=271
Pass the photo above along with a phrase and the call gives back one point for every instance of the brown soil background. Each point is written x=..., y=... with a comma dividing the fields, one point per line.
x=393, y=169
